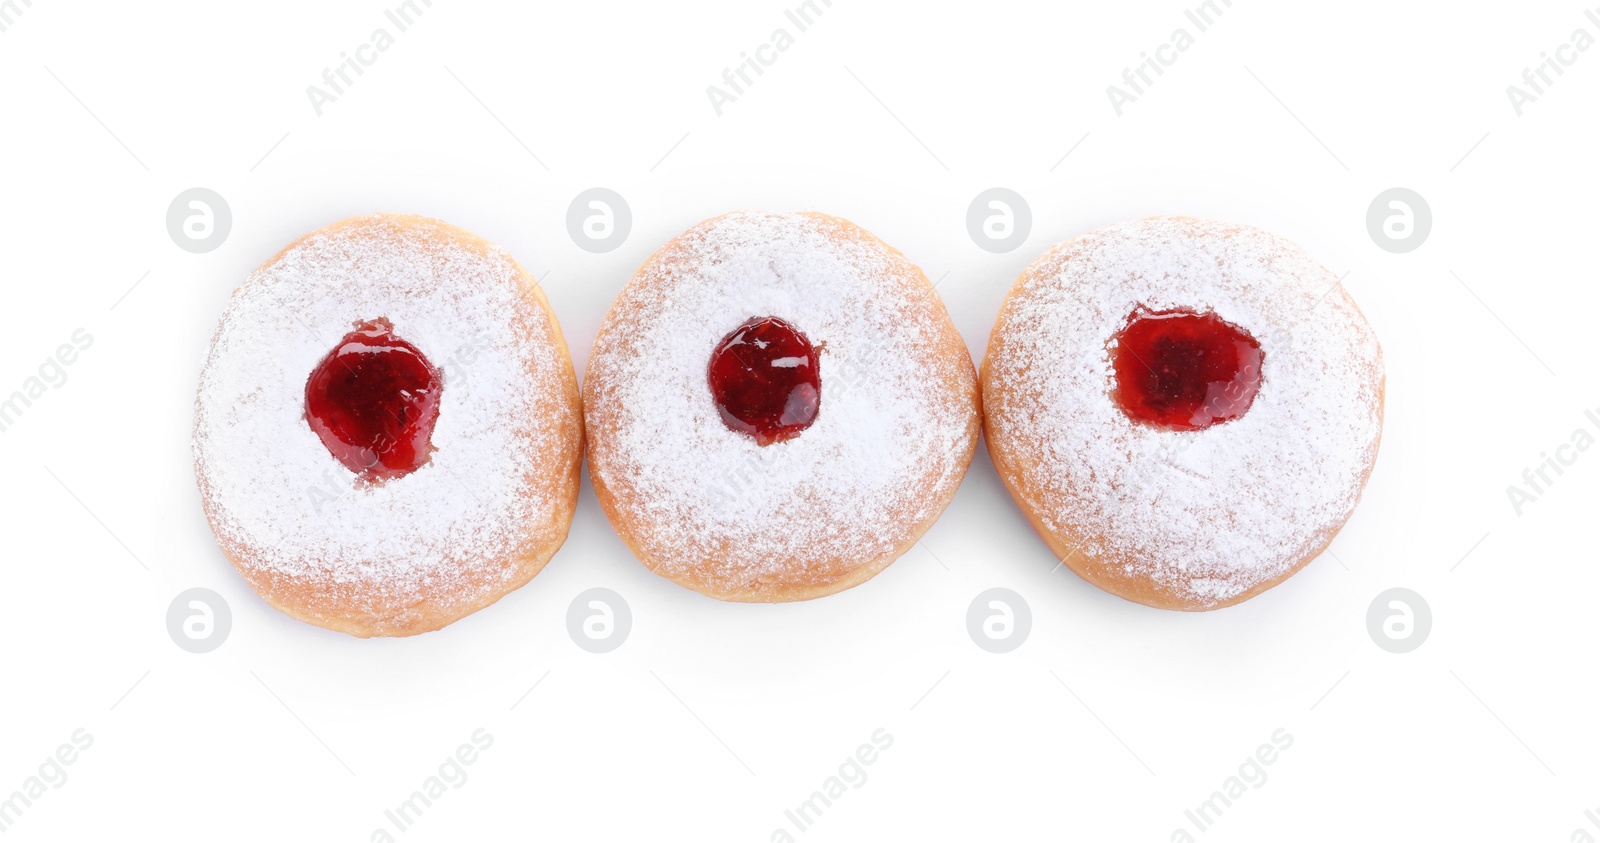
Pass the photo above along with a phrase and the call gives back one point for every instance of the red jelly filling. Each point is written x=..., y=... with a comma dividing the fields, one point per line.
x=764, y=380
x=373, y=402
x=1184, y=370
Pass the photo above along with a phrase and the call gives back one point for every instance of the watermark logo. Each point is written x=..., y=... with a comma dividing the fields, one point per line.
x=998, y=220
x=1399, y=220
x=451, y=775
x=1399, y=620
x=198, y=220
x=51, y=775
x=199, y=620
x=599, y=620
x=598, y=220
x=737, y=80
x=999, y=620
x=1137, y=80
x=52, y=375
x=851, y=775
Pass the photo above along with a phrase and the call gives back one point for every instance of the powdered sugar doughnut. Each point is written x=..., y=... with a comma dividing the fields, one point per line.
x=1150, y=474
x=750, y=308
x=408, y=532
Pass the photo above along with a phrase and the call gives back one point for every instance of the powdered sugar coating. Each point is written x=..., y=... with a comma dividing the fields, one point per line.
x=1207, y=517
x=894, y=433
x=475, y=521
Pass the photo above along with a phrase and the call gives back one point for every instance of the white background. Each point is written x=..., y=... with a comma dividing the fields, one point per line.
x=711, y=720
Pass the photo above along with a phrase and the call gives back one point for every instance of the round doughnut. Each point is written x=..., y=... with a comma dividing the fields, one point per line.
x=409, y=532
x=1145, y=487
x=881, y=444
